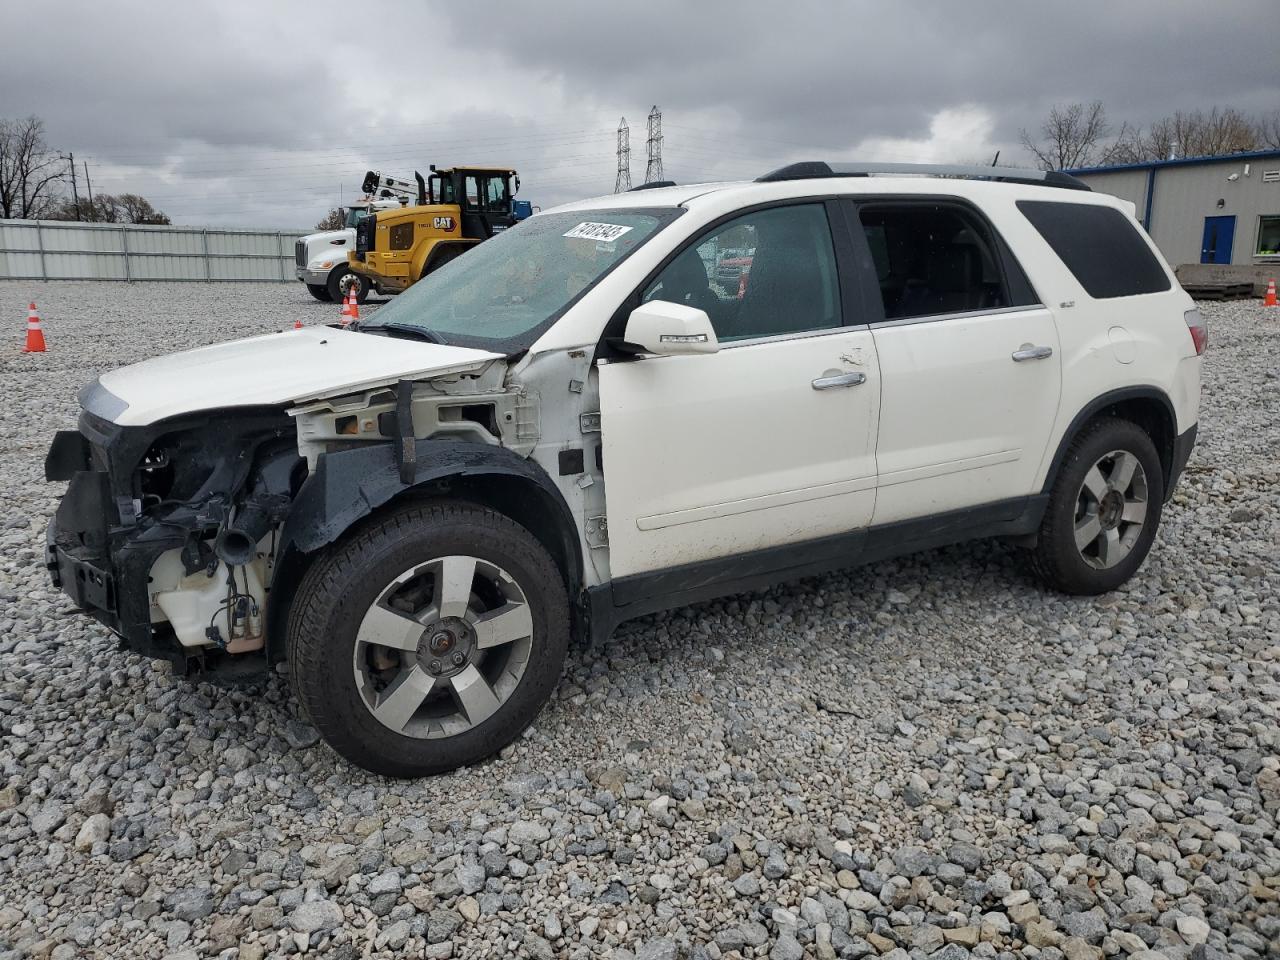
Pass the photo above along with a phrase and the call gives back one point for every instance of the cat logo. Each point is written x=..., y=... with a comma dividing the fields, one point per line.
x=442, y=223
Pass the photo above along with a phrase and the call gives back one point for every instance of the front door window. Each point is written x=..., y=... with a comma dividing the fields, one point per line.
x=767, y=273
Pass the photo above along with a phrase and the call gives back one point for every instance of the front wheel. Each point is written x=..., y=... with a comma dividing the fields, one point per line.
x=1103, y=511
x=428, y=639
x=342, y=279
x=320, y=292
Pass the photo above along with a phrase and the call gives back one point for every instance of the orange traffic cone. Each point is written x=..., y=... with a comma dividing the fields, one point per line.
x=1270, y=299
x=355, y=309
x=345, y=316
x=35, y=335
x=297, y=324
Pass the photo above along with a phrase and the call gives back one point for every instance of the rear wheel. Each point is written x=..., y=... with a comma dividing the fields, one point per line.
x=1103, y=512
x=429, y=639
x=320, y=292
x=342, y=279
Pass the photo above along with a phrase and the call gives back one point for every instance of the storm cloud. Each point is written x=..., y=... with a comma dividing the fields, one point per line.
x=268, y=114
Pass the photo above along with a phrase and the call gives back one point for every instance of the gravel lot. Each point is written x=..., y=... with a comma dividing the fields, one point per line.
x=930, y=757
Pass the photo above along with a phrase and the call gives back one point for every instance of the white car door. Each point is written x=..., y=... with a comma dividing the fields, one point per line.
x=969, y=361
x=771, y=441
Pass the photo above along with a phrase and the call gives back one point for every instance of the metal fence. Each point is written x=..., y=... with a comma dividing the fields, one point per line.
x=57, y=250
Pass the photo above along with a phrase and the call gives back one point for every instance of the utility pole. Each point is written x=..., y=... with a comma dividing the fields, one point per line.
x=75, y=193
x=89, y=183
x=623, y=180
x=653, y=169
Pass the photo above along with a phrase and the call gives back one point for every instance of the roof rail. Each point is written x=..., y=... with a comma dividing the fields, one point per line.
x=816, y=169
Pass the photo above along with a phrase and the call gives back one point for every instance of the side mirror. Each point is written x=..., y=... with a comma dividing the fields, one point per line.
x=665, y=329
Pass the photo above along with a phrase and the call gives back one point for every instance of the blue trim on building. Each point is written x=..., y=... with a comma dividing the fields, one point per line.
x=1179, y=162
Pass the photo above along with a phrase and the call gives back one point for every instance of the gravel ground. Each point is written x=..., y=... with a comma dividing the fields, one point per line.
x=930, y=757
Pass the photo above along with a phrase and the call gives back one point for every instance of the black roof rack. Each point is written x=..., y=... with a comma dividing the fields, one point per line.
x=653, y=186
x=816, y=169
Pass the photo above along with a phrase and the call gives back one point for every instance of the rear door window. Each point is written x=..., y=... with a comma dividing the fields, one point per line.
x=1100, y=246
x=934, y=259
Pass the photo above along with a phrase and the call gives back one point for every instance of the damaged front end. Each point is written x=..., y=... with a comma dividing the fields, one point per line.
x=165, y=533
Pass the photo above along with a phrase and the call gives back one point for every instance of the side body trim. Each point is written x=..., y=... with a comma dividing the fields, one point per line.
x=612, y=603
x=734, y=507
x=951, y=466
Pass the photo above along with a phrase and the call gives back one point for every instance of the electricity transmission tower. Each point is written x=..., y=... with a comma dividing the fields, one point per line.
x=653, y=170
x=623, y=181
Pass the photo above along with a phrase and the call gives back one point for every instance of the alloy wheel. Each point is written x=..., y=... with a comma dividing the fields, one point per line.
x=1111, y=509
x=443, y=647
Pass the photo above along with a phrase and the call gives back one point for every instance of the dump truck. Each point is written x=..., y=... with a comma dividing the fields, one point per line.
x=458, y=207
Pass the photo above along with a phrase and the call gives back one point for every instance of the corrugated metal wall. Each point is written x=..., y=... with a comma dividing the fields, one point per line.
x=56, y=250
x=1186, y=196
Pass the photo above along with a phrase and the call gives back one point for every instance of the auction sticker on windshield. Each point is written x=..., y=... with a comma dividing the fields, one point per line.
x=606, y=232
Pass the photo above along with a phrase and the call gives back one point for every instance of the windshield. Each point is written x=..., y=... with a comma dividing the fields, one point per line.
x=503, y=294
x=355, y=215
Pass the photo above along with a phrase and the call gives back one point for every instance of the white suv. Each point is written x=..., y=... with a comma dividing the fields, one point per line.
x=584, y=421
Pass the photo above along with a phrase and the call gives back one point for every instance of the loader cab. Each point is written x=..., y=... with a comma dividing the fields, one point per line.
x=485, y=197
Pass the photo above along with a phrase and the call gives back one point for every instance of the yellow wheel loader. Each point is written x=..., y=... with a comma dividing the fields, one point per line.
x=457, y=208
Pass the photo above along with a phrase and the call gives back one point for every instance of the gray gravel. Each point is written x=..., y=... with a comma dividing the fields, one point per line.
x=929, y=757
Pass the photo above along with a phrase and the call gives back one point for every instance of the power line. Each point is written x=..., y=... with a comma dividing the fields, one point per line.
x=383, y=126
x=366, y=149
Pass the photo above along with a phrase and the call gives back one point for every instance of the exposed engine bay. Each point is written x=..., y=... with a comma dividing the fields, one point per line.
x=172, y=524
x=171, y=533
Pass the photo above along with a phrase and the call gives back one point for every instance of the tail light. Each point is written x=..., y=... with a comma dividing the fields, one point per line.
x=1199, y=328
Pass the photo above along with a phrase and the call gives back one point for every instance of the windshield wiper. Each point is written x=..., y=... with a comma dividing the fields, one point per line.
x=420, y=332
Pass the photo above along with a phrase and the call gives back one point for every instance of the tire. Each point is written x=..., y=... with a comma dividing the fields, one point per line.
x=335, y=669
x=320, y=292
x=1078, y=550
x=340, y=277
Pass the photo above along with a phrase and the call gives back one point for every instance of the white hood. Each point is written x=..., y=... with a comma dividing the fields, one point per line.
x=320, y=248
x=274, y=370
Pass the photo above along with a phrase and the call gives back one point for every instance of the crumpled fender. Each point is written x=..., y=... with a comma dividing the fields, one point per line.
x=348, y=485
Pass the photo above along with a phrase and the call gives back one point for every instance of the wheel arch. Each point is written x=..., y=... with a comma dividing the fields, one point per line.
x=443, y=248
x=350, y=485
x=1149, y=407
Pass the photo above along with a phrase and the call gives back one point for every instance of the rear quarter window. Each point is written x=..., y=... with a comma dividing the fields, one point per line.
x=1100, y=246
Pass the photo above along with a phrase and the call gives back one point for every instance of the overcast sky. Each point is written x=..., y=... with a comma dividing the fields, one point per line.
x=266, y=113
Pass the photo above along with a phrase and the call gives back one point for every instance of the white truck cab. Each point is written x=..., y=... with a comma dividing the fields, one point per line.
x=320, y=259
x=627, y=404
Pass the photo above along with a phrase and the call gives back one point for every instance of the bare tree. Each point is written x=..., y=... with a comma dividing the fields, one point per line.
x=1195, y=133
x=333, y=220
x=30, y=174
x=136, y=209
x=1070, y=137
x=104, y=209
x=1267, y=130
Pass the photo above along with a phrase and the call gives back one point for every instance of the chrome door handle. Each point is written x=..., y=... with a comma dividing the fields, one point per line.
x=840, y=380
x=1028, y=352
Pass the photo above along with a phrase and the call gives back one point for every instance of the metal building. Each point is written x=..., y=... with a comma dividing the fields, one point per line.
x=1221, y=211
